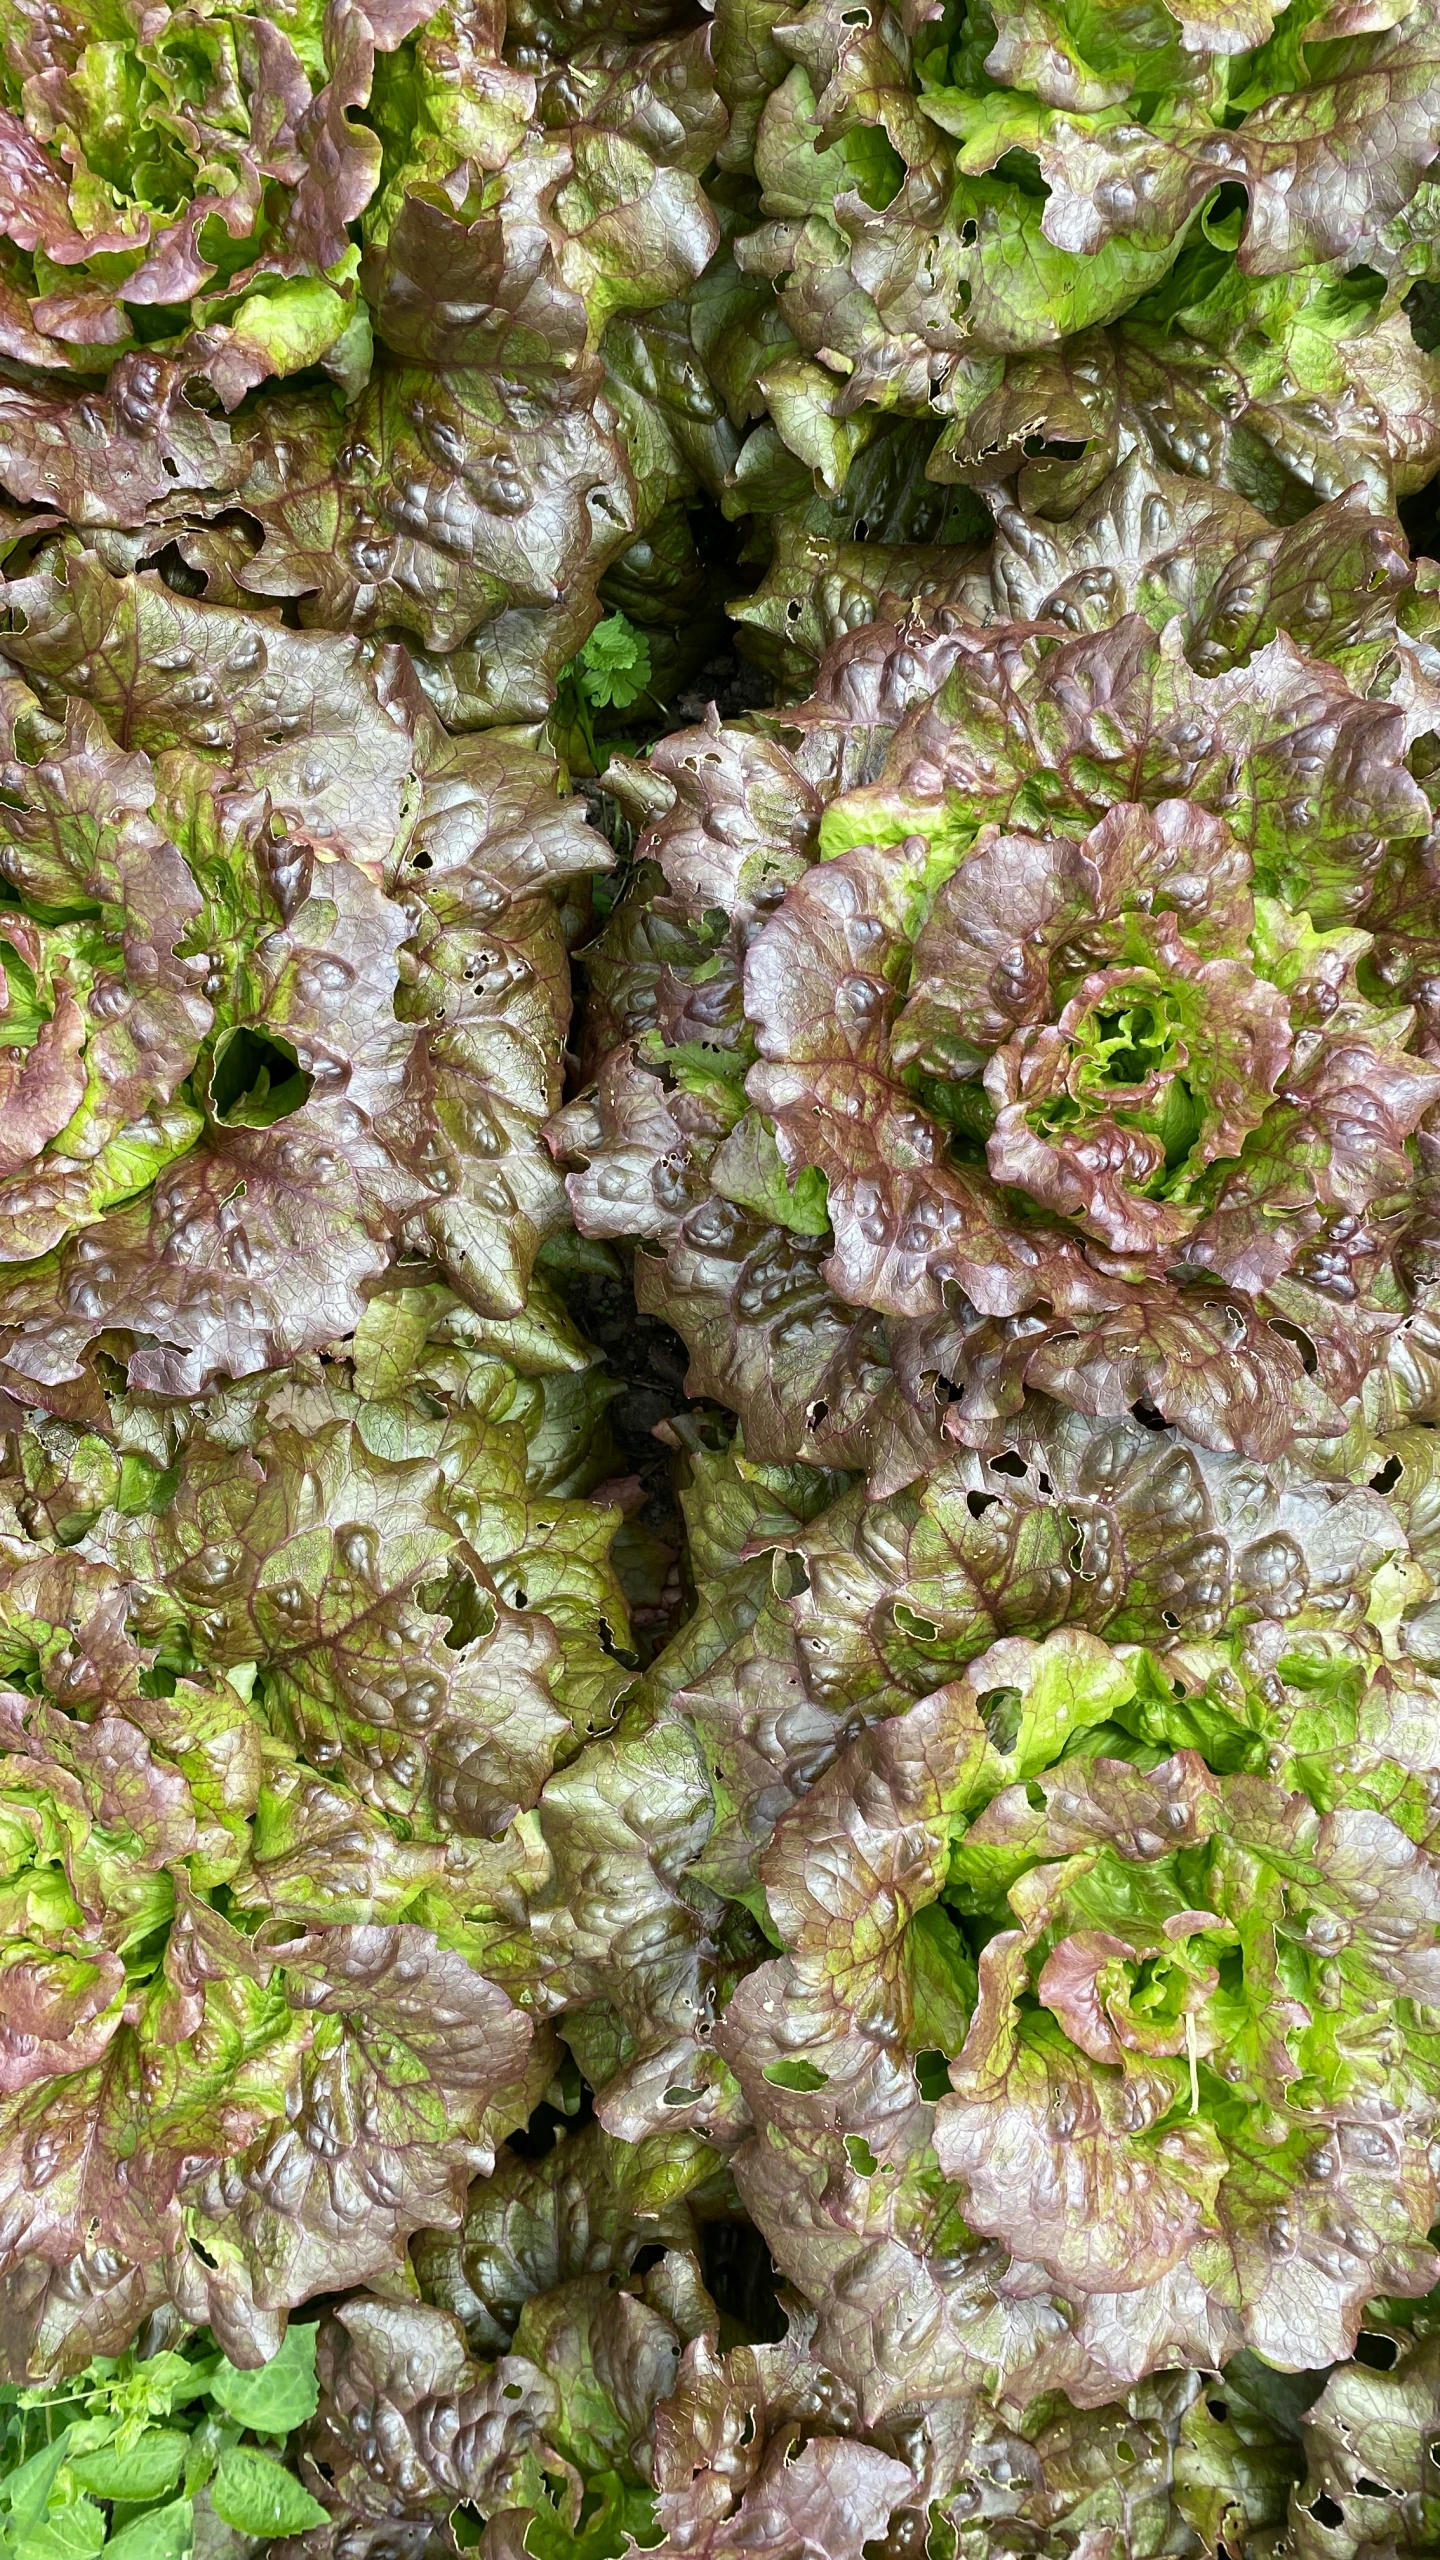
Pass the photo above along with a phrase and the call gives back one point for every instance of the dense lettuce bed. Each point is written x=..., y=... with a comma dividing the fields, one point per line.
x=720, y=1280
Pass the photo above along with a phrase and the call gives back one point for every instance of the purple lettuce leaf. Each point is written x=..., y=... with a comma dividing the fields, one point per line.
x=1109, y=1218
x=327, y=958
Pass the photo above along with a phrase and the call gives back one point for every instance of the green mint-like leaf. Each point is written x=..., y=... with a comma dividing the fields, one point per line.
x=280, y=2395
x=165, y=2533
x=151, y=2466
x=258, y=2495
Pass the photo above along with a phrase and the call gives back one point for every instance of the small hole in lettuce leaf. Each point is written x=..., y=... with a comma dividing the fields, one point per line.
x=1387, y=1477
x=469, y=1612
x=977, y=1504
x=1000, y=1711
x=1151, y=1416
x=1010, y=1463
x=1223, y=218
x=795, y=2074
x=1293, y=1333
x=910, y=1623
x=860, y=2156
x=677, y=2095
x=1219, y=2410
x=932, y=2071
x=1327, y=2511
x=255, y=1078
x=647, y=2257
x=1365, y=2487
x=789, y=1574
x=1379, y=2352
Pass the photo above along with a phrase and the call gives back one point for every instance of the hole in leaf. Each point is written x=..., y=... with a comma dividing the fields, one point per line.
x=977, y=1504
x=1365, y=2487
x=255, y=1078
x=468, y=1612
x=1010, y=1463
x=1387, y=1476
x=1309, y=1357
x=1219, y=2409
x=1144, y=1411
x=910, y=1623
x=789, y=1574
x=646, y=2258
x=797, y=2074
x=932, y=2071
x=1372, y=2349
x=860, y=2156
x=1327, y=2511
x=1000, y=1711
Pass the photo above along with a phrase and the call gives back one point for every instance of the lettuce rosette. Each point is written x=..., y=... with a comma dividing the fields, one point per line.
x=285, y=985
x=1031, y=240
x=1034, y=1007
x=1098, y=2042
x=189, y=178
x=280, y=1672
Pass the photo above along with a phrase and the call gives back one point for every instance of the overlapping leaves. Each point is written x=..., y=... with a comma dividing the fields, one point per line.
x=1017, y=991
x=267, y=1710
x=286, y=985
